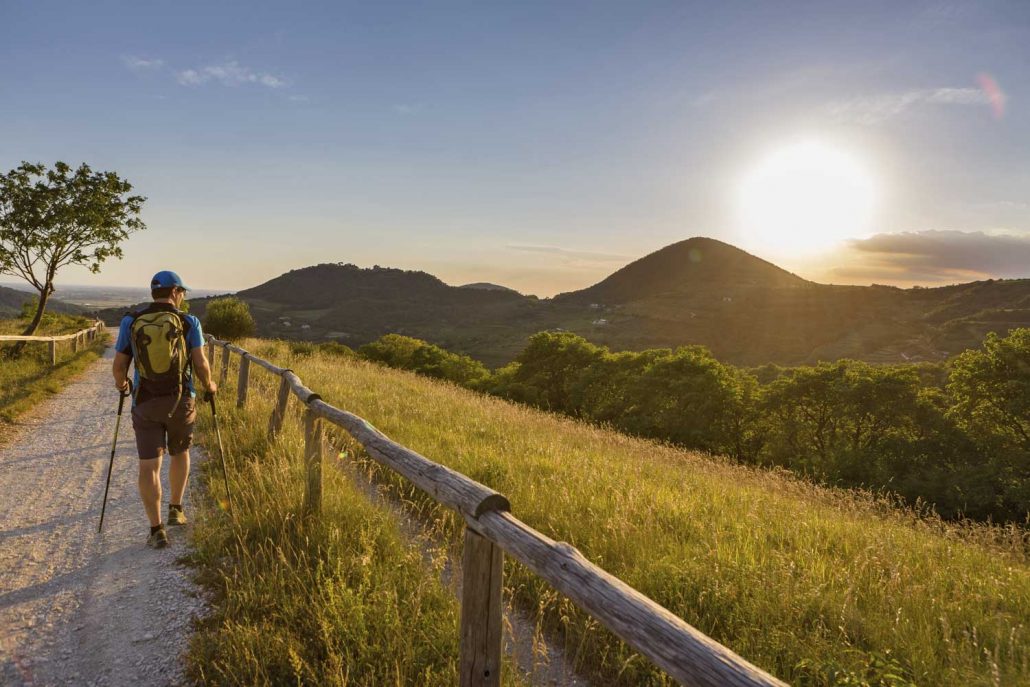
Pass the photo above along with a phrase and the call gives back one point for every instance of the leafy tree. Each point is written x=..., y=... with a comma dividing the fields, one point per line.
x=50, y=218
x=843, y=421
x=687, y=397
x=434, y=361
x=392, y=350
x=552, y=363
x=229, y=318
x=990, y=390
x=746, y=435
x=407, y=353
x=337, y=349
x=504, y=382
x=601, y=391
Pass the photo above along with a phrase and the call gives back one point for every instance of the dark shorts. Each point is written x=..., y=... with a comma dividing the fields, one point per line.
x=152, y=424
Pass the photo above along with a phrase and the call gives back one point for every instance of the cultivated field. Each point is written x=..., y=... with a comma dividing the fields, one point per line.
x=816, y=586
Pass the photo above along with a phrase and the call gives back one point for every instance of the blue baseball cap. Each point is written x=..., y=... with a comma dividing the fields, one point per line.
x=166, y=279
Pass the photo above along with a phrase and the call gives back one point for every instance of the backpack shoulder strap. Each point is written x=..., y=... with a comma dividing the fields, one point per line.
x=185, y=322
x=144, y=310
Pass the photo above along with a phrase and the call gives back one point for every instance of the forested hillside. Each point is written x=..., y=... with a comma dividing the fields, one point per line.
x=13, y=300
x=745, y=310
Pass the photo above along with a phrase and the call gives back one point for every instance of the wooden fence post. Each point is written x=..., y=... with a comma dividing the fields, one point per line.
x=211, y=354
x=481, y=578
x=243, y=381
x=275, y=423
x=53, y=352
x=225, y=366
x=313, y=461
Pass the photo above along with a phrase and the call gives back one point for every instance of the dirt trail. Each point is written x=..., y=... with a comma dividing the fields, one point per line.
x=78, y=607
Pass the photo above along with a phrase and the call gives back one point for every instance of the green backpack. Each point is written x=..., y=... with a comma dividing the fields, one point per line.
x=158, y=339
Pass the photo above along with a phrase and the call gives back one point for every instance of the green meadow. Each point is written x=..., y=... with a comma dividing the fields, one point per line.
x=817, y=586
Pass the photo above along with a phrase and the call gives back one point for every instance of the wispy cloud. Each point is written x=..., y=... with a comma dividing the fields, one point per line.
x=140, y=64
x=939, y=256
x=875, y=109
x=229, y=73
x=565, y=253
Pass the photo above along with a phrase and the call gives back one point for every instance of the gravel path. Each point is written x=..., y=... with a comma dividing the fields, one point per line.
x=78, y=607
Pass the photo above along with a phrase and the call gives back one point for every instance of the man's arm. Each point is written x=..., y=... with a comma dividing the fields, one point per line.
x=203, y=370
x=122, y=355
x=120, y=370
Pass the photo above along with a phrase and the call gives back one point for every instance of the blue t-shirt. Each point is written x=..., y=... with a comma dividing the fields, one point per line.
x=194, y=339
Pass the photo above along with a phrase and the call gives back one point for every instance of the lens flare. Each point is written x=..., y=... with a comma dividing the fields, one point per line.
x=994, y=94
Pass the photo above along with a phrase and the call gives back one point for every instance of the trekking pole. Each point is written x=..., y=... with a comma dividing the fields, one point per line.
x=221, y=448
x=114, y=445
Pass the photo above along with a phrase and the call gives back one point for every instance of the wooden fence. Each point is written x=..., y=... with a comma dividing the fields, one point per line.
x=491, y=530
x=78, y=339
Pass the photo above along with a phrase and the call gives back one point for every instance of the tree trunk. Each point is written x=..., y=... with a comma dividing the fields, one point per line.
x=44, y=296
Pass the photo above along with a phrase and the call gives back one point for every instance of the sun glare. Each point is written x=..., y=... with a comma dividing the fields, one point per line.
x=805, y=198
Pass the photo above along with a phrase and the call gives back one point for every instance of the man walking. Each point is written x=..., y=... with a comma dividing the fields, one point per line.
x=167, y=347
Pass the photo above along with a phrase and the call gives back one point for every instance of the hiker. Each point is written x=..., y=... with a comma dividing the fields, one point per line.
x=167, y=346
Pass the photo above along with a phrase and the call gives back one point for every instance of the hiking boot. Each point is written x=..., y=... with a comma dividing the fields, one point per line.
x=158, y=540
x=176, y=517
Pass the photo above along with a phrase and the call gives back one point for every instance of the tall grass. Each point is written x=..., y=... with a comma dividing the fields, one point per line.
x=341, y=600
x=817, y=586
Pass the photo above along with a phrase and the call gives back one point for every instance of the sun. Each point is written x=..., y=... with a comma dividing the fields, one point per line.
x=805, y=198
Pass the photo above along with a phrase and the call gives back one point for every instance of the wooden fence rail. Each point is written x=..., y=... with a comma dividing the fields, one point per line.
x=685, y=653
x=77, y=339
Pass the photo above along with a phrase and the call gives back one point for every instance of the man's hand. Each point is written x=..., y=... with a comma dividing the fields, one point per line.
x=125, y=388
x=209, y=391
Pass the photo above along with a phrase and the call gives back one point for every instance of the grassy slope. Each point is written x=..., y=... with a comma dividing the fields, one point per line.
x=800, y=580
x=29, y=379
x=342, y=601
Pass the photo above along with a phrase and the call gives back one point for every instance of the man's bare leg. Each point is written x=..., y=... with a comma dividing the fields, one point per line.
x=178, y=473
x=150, y=488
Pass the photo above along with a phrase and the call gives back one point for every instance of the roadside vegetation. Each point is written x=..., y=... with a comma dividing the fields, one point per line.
x=228, y=318
x=346, y=600
x=818, y=586
x=28, y=378
x=954, y=437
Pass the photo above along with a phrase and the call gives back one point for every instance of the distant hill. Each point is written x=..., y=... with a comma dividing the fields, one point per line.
x=354, y=305
x=486, y=286
x=11, y=301
x=695, y=264
x=699, y=291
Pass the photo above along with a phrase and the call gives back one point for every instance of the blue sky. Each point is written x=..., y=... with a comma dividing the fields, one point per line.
x=540, y=145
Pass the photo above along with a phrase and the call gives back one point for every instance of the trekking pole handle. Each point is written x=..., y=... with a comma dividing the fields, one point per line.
x=123, y=393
